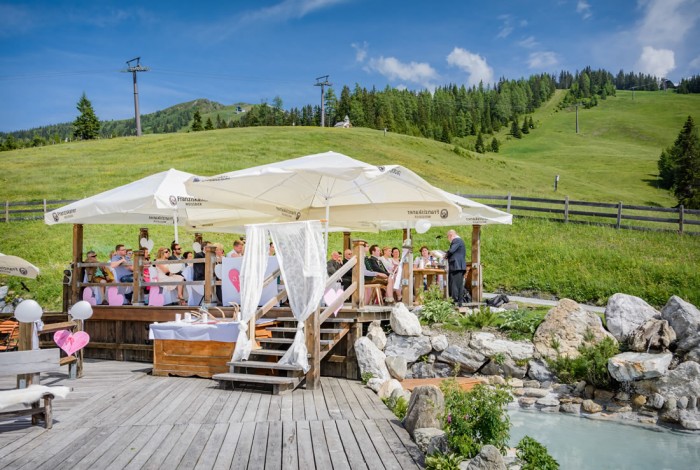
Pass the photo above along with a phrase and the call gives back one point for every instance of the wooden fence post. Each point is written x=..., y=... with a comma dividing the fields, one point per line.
x=26, y=334
x=7, y=212
x=681, y=216
x=508, y=206
x=566, y=209
x=313, y=345
x=358, y=250
x=137, y=264
x=209, y=275
x=77, y=275
x=619, y=214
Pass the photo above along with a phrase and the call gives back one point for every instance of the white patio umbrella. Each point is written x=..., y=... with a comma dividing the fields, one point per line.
x=16, y=266
x=159, y=199
x=345, y=192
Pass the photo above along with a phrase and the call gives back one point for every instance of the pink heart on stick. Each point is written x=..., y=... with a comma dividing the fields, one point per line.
x=88, y=297
x=114, y=297
x=71, y=342
x=235, y=277
x=155, y=297
x=330, y=296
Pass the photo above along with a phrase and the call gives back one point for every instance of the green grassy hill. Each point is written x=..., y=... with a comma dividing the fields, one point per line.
x=612, y=159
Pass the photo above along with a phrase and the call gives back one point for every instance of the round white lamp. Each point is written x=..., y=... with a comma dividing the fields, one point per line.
x=28, y=311
x=423, y=226
x=82, y=310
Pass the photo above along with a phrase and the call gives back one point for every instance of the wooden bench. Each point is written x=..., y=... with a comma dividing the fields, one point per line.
x=33, y=363
x=9, y=335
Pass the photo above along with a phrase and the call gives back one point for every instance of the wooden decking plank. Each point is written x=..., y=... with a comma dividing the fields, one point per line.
x=242, y=454
x=162, y=411
x=298, y=405
x=166, y=445
x=120, y=447
x=232, y=397
x=134, y=447
x=197, y=402
x=177, y=452
x=354, y=404
x=150, y=445
x=87, y=460
x=369, y=453
x=20, y=442
x=290, y=453
x=228, y=447
x=70, y=456
x=382, y=447
x=263, y=408
x=341, y=399
x=320, y=405
x=309, y=406
x=196, y=447
x=335, y=446
x=252, y=408
x=370, y=402
x=143, y=402
x=241, y=406
x=47, y=447
x=350, y=445
x=274, y=411
x=209, y=454
x=322, y=455
x=221, y=396
x=273, y=457
x=305, y=448
x=331, y=402
x=406, y=451
x=206, y=407
x=286, y=412
x=258, y=450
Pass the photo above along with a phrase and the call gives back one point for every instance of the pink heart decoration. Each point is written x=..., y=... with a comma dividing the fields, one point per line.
x=88, y=297
x=71, y=342
x=155, y=297
x=235, y=277
x=330, y=296
x=114, y=297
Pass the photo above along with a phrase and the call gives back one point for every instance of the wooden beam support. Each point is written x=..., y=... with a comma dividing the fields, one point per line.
x=358, y=250
x=77, y=275
x=313, y=345
x=476, y=284
x=347, y=245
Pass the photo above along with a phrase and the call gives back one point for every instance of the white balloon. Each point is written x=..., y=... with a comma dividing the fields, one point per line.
x=28, y=311
x=143, y=242
x=423, y=226
x=196, y=247
x=217, y=271
x=81, y=310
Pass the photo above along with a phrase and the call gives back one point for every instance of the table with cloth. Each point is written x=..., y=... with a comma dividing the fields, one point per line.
x=195, y=348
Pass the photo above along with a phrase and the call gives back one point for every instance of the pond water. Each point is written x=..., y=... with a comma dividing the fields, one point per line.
x=582, y=443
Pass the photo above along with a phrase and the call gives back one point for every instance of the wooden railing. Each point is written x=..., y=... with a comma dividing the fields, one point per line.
x=617, y=215
x=16, y=211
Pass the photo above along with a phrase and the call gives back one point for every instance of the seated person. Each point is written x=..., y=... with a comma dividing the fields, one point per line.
x=423, y=260
x=123, y=268
x=164, y=274
x=347, y=277
x=382, y=276
x=334, y=263
x=100, y=274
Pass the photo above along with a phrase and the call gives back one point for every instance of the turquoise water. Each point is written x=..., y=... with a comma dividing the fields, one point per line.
x=581, y=443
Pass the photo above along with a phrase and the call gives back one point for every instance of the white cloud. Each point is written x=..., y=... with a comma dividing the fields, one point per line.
x=528, y=43
x=666, y=22
x=15, y=19
x=541, y=60
x=473, y=64
x=695, y=63
x=657, y=62
x=415, y=72
x=360, y=51
x=583, y=8
x=506, y=27
x=288, y=9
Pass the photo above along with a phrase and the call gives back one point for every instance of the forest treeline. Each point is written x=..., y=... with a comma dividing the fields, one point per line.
x=449, y=112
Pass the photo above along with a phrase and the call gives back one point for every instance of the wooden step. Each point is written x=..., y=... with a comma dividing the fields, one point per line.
x=278, y=384
x=288, y=341
x=281, y=329
x=269, y=352
x=328, y=320
x=263, y=365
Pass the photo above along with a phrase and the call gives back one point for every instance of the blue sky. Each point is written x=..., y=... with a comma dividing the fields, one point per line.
x=52, y=50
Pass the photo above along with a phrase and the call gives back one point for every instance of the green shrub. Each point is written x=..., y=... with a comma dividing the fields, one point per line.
x=366, y=376
x=479, y=319
x=440, y=461
x=534, y=455
x=591, y=365
x=521, y=324
x=436, y=309
x=475, y=418
x=398, y=406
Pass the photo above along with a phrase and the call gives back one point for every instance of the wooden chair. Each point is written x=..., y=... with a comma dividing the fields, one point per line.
x=9, y=335
x=375, y=294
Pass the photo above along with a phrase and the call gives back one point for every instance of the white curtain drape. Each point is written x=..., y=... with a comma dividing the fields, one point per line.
x=252, y=277
x=301, y=255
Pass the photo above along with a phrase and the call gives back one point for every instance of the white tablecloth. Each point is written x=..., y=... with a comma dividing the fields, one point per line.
x=225, y=332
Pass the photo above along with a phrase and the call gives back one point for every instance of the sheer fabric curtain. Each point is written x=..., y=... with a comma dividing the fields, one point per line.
x=301, y=255
x=252, y=277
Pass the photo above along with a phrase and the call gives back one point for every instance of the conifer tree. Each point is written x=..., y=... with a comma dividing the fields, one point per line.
x=515, y=129
x=479, y=146
x=526, y=128
x=209, y=125
x=685, y=154
x=86, y=126
x=495, y=145
x=197, y=122
x=531, y=124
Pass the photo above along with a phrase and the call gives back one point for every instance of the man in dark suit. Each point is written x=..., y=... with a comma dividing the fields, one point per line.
x=457, y=259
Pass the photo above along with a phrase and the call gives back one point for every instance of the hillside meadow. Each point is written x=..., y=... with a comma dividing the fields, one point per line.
x=612, y=159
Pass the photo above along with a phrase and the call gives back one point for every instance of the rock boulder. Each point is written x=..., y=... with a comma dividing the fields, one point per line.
x=630, y=366
x=404, y=322
x=468, y=360
x=489, y=458
x=371, y=359
x=489, y=345
x=683, y=381
x=625, y=313
x=683, y=317
x=409, y=347
x=426, y=405
x=376, y=334
x=653, y=335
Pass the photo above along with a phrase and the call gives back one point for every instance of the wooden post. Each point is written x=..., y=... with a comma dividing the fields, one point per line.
x=681, y=217
x=476, y=287
x=407, y=274
x=508, y=204
x=347, y=245
x=566, y=209
x=619, y=214
x=44, y=206
x=137, y=294
x=312, y=329
x=406, y=234
x=7, y=212
x=351, y=368
x=26, y=333
x=143, y=233
x=80, y=326
x=67, y=283
x=209, y=276
x=77, y=258
x=358, y=250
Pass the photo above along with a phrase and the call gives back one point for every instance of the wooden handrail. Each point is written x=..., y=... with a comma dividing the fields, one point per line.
x=341, y=272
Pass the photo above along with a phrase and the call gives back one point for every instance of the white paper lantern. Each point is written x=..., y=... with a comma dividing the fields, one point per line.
x=81, y=310
x=423, y=226
x=28, y=311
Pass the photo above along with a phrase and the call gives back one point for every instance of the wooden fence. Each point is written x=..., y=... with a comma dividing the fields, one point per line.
x=614, y=215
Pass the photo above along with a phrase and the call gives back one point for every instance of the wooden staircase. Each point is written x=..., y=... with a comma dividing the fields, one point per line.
x=262, y=370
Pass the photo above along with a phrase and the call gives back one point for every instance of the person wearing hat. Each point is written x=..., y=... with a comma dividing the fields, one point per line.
x=100, y=274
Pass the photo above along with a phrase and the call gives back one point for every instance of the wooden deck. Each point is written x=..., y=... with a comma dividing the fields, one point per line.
x=120, y=416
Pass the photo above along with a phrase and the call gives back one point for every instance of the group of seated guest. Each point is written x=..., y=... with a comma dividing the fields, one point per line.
x=381, y=266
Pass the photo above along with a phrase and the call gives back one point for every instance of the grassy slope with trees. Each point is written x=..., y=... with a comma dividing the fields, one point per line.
x=613, y=158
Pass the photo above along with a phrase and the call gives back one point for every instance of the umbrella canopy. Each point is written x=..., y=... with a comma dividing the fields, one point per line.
x=16, y=266
x=348, y=193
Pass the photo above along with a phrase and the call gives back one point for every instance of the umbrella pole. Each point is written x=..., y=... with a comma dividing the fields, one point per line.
x=175, y=227
x=328, y=210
